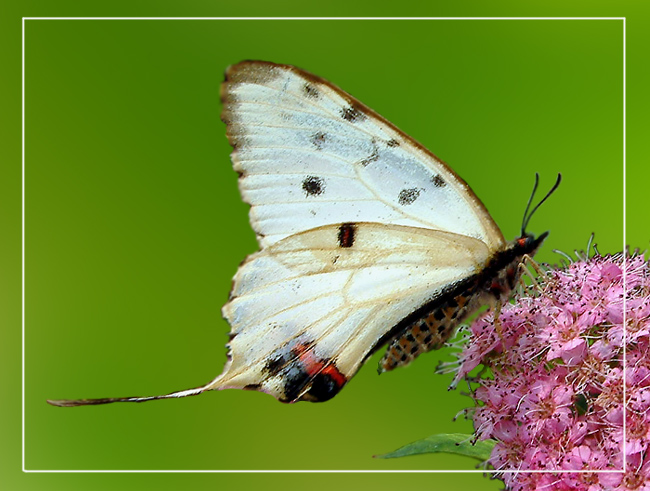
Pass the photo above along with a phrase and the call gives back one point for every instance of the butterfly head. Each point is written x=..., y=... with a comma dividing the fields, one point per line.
x=528, y=244
x=503, y=271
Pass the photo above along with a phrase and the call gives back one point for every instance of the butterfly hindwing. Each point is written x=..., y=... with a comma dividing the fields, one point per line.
x=310, y=154
x=319, y=301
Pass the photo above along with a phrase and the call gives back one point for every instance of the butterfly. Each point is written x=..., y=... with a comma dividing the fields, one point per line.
x=366, y=239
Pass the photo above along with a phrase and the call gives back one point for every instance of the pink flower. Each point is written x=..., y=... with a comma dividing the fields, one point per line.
x=555, y=399
x=637, y=476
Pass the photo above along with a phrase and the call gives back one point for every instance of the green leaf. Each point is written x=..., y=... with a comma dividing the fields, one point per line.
x=455, y=443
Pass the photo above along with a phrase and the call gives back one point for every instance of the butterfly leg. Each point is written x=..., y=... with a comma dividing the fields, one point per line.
x=528, y=261
x=497, y=323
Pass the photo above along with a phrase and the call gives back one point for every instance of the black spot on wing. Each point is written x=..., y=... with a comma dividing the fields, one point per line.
x=295, y=379
x=310, y=91
x=313, y=186
x=438, y=181
x=408, y=196
x=323, y=388
x=373, y=157
x=277, y=362
x=284, y=355
x=392, y=143
x=327, y=383
x=318, y=139
x=347, y=232
x=352, y=114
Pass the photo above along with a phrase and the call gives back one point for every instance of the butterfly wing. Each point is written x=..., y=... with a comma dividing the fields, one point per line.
x=306, y=311
x=310, y=154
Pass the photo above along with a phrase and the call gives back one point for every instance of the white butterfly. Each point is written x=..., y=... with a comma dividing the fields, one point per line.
x=365, y=238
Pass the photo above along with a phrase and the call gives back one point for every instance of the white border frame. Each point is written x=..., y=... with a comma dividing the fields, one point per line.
x=331, y=471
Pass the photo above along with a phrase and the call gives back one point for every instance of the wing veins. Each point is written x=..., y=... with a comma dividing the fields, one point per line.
x=304, y=100
x=319, y=200
x=412, y=148
x=293, y=128
x=394, y=207
x=253, y=291
x=332, y=116
x=409, y=149
x=371, y=315
x=327, y=331
x=401, y=211
x=300, y=332
x=302, y=149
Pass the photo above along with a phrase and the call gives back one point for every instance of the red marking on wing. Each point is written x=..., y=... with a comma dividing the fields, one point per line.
x=314, y=365
x=338, y=378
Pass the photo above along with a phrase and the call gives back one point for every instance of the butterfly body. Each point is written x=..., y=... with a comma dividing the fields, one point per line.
x=366, y=238
x=436, y=321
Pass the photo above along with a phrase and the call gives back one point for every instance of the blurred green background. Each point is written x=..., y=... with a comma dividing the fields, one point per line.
x=134, y=225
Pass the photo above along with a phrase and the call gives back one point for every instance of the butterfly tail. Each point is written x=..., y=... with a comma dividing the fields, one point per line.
x=108, y=400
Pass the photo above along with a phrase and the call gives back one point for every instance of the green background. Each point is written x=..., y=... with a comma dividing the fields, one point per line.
x=134, y=225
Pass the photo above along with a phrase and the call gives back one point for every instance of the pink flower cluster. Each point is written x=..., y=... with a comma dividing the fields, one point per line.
x=554, y=399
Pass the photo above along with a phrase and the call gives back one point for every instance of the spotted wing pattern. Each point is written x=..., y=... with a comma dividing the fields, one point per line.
x=310, y=154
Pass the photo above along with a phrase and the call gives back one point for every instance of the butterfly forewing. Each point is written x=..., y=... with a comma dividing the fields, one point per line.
x=310, y=155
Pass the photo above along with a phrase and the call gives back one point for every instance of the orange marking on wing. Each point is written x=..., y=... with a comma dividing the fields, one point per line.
x=313, y=365
x=335, y=374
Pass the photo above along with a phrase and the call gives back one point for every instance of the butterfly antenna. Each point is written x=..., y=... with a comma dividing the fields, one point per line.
x=524, y=222
x=552, y=190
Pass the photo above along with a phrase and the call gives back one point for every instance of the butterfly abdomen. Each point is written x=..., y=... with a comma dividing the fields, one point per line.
x=435, y=326
x=436, y=322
